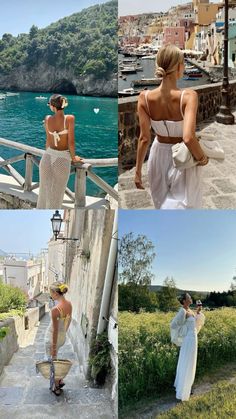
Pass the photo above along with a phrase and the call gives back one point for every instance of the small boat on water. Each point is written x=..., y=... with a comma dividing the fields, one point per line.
x=128, y=70
x=193, y=72
x=148, y=57
x=128, y=92
x=12, y=94
x=146, y=82
x=191, y=78
x=41, y=97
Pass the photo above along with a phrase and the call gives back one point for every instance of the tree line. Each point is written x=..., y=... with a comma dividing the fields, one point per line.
x=136, y=255
x=84, y=43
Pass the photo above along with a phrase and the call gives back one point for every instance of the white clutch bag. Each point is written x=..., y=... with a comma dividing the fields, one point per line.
x=183, y=159
x=181, y=156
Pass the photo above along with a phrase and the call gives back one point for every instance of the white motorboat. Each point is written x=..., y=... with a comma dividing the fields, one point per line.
x=41, y=97
x=12, y=94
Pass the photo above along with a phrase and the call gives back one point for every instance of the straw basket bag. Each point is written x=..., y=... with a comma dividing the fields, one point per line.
x=61, y=366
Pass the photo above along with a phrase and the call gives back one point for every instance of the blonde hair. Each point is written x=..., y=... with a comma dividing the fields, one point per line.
x=167, y=60
x=59, y=287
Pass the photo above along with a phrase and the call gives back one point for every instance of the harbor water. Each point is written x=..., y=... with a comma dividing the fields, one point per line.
x=21, y=120
x=148, y=71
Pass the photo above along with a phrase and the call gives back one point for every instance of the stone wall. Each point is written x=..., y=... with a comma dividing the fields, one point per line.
x=18, y=332
x=87, y=271
x=209, y=97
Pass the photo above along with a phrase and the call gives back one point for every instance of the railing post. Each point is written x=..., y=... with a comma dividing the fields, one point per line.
x=28, y=172
x=80, y=187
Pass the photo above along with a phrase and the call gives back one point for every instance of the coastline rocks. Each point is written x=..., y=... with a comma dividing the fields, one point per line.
x=46, y=78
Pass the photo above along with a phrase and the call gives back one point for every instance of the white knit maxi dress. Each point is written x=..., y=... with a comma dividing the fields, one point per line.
x=54, y=173
x=171, y=188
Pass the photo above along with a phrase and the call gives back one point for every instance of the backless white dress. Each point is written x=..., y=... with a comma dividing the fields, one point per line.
x=171, y=188
x=186, y=367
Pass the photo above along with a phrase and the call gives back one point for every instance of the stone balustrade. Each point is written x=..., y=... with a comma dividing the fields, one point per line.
x=209, y=97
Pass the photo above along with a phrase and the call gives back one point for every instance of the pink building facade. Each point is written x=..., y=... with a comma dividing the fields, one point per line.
x=174, y=35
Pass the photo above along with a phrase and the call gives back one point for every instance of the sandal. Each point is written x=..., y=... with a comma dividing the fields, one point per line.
x=57, y=391
x=61, y=384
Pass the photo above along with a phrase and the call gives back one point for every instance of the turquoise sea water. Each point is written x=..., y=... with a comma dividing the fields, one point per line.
x=21, y=120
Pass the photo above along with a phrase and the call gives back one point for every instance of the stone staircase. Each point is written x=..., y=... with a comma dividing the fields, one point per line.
x=24, y=394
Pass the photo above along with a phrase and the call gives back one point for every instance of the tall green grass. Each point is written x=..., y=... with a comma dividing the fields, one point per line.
x=147, y=359
x=220, y=402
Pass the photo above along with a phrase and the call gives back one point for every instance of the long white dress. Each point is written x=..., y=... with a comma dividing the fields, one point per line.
x=62, y=329
x=186, y=367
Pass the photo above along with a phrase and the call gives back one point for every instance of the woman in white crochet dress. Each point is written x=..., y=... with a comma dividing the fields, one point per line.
x=55, y=165
x=172, y=115
x=60, y=321
x=184, y=330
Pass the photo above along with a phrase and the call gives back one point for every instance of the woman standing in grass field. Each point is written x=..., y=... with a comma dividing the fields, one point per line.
x=184, y=329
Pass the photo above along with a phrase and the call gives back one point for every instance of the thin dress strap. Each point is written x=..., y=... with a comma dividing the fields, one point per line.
x=146, y=100
x=181, y=103
x=60, y=311
x=65, y=122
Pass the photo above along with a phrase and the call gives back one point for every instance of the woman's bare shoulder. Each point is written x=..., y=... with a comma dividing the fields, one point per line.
x=70, y=117
x=190, y=94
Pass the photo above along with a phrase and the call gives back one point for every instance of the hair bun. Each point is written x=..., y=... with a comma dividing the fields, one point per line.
x=63, y=288
x=160, y=72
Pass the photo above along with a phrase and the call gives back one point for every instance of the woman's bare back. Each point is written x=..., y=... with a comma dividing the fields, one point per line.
x=57, y=123
x=164, y=105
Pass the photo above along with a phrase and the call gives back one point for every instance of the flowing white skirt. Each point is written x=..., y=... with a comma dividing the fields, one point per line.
x=172, y=188
x=186, y=368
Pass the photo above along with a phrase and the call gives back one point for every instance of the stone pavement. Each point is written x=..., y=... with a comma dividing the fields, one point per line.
x=26, y=395
x=219, y=179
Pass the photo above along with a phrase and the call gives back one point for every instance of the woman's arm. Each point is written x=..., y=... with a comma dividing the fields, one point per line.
x=189, y=129
x=47, y=133
x=54, y=314
x=71, y=139
x=144, y=139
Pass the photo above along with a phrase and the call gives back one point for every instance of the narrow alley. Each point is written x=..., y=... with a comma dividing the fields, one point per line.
x=25, y=394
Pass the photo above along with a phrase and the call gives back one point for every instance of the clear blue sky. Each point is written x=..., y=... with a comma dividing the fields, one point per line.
x=135, y=7
x=25, y=230
x=197, y=248
x=17, y=16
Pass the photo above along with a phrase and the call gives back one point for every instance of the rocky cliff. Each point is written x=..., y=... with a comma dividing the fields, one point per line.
x=47, y=78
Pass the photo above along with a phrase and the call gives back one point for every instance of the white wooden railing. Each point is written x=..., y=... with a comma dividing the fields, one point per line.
x=32, y=156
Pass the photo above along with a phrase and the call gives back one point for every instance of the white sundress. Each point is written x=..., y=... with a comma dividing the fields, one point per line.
x=171, y=188
x=62, y=328
x=186, y=367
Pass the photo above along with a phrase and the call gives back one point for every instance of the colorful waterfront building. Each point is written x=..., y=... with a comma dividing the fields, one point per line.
x=174, y=35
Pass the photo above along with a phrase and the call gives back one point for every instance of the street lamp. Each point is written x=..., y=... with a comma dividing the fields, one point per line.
x=224, y=115
x=56, y=221
x=56, y=226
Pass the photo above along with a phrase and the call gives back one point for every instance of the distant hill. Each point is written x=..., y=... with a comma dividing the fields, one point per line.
x=2, y=253
x=157, y=288
x=76, y=55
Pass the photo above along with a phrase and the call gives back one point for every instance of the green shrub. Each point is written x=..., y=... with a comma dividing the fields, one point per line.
x=3, y=332
x=11, y=298
x=100, y=359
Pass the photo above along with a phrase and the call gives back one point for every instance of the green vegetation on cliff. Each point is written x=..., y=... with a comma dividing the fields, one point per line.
x=84, y=43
